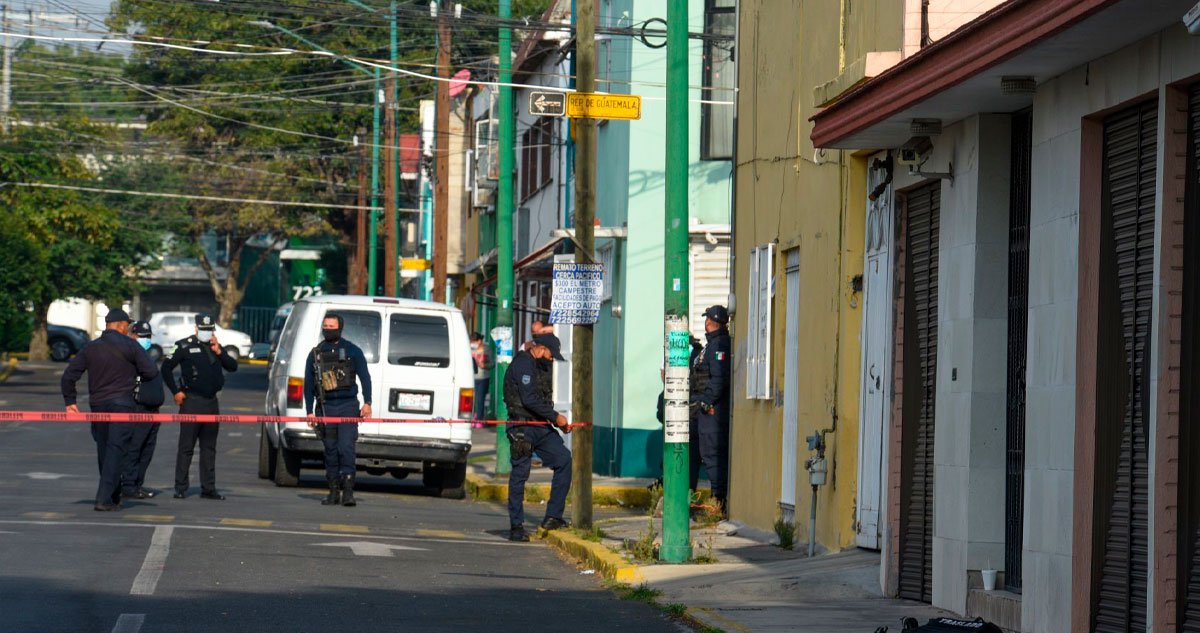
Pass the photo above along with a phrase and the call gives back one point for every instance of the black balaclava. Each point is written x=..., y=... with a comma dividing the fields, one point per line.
x=332, y=336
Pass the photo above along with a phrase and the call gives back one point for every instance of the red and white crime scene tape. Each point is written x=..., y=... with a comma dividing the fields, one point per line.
x=63, y=416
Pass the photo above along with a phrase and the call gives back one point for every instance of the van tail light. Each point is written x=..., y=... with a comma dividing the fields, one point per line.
x=295, y=393
x=466, y=403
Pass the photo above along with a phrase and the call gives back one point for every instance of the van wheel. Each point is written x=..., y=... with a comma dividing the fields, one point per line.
x=287, y=468
x=266, y=456
x=447, y=481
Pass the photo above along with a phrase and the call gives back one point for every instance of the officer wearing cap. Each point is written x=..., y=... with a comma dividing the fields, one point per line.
x=113, y=363
x=712, y=400
x=330, y=372
x=148, y=394
x=528, y=400
x=202, y=364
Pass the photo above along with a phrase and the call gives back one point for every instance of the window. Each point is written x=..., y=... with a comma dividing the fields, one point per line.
x=417, y=340
x=604, y=256
x=362, y=329
x=716, y=121
x=535, y=156
x=759, y=297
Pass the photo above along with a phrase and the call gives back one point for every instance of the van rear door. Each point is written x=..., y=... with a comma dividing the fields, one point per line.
x=419, y=374
x=363, y=327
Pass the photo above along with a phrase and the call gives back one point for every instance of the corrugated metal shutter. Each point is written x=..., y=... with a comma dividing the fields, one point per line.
x=1190, y=381
x=1018, y=316
x=709, y=272
x=916, y=547
x=1130, y=158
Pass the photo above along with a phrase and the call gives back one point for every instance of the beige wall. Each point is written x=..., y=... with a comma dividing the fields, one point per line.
x=945, y=17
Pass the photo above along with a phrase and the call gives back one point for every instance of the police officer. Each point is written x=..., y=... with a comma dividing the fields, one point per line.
x=329, y=374
x=148, y=394
x=712, y=402
x=201, y=361
x=113, y=364
x=528, y=400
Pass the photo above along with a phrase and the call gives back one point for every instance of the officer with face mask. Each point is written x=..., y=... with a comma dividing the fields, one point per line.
x=148, y=395
x=202, y=365
x=528, y=398
x=329, y=383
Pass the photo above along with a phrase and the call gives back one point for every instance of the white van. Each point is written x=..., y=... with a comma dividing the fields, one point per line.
x=419, y=357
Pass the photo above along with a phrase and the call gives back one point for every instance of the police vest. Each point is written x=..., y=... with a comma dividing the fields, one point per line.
x=334, y=371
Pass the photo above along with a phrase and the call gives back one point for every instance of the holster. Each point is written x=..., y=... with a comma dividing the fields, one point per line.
x=519, y=447
x=319, y=429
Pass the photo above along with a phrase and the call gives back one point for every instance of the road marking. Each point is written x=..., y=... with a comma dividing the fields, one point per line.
x=156, y=559
x=246, y=522
x=129, y=623
x=235, y=451
x=148, y=517
x=442, y=533
x=47, y=515
x=41, y=475
x=244, y=409
x=367, y=548
x=337, y=527
x=234, y=434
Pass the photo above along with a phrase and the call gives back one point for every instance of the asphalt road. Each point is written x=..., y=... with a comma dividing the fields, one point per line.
x=266, y=558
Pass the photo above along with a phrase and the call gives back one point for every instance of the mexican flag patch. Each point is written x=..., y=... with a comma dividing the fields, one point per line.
x=721, y=356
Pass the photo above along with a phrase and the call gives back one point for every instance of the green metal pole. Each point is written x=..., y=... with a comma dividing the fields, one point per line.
x=396, y=166
x=676, y=543
x=373, y=255
x=504, y=229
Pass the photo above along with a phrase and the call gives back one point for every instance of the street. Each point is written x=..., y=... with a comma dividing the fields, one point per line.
x=266, y=558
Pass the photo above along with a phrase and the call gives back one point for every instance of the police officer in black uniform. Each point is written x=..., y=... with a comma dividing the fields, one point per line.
x=528, y=396
x=113, y=363
x=202, y=364
x=712, y=401
x=148, y=394
x=329, y=375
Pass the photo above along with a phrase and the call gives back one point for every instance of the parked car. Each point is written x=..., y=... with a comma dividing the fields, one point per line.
x=169, y=327
x=419, y=358
x=65, y=342
x=277, y=323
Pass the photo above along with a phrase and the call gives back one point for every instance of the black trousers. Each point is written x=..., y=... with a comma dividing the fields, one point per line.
x=113, y=447
x=145, y=438
x=189, y=433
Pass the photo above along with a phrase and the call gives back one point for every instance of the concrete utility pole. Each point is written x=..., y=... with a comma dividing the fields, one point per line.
x=360, y=219
x=441, y=203
x=6, y=76
x=676, y=546
x=585, y=229
x=391, y=264
x=394, y=97
x=504, y=236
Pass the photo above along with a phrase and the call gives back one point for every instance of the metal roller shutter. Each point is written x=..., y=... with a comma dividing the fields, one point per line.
x=709, y=286
x=1190, y=381
x=1130, y=159
x=916, y=547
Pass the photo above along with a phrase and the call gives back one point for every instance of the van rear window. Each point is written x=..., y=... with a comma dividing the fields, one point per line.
x=362, y=329
x=419, y=341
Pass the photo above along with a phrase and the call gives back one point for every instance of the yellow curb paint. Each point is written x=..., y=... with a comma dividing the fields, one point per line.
x=235, y=451
x=148, y=517
x=48, y=515
x=243, y=409
x=730, y=624
x=485, y=490
x=246, y=522
x=607, y=562
x=442, y=533
x=337, y=527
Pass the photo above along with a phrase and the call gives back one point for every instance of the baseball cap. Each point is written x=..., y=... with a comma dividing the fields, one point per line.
x=205, y=322
x=116, y=315
x=552, y=343
x=140, y=328
x=718, y=314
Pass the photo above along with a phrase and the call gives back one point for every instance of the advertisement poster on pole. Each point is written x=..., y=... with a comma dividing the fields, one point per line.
x=578, y=290
x=503, y=338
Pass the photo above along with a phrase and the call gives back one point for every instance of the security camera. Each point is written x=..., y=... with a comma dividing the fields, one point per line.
x=915, y=151
x=1191, y=20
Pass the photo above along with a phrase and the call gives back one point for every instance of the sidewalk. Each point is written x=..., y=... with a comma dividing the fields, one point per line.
x=758, y=587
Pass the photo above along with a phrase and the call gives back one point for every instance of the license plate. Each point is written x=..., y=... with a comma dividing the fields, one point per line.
x=412, y=402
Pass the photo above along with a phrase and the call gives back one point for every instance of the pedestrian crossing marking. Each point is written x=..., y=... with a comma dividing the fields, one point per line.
x=149, y=517
x=235, y=451
x=442, y=533
x=48, y=515
x=246, y=522
x=337, y=527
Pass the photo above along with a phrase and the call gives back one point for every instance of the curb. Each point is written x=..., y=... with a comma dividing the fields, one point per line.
x=485, y=490
x=7, y=369
x=605, y=561
x=252, y=361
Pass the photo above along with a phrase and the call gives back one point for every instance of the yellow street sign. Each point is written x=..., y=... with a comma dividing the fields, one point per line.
x=415, y=264
x=586, y=105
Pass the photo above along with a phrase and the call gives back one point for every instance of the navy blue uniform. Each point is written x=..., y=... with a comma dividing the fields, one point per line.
x=339, y=439
x=711, y=433
x=528, y=398
x=149, y=398
x=113, y=363
x=203, y=376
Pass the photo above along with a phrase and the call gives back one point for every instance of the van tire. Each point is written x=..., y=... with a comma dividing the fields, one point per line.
x=448, y=481
x=266, y=456
x=287, y=468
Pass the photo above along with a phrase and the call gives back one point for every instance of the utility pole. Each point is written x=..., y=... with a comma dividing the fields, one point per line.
x=441, y=203
x=360, y=219
x=389, y=191
x=676, y=546
x=394, y=97
x=585, y=229
x=504, y=236
x=6, y=75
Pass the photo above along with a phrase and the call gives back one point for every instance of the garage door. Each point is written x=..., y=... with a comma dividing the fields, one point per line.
x=1190, y=376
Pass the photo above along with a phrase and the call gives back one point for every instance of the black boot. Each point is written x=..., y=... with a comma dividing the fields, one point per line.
x=335, y=492
x=348, y=490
